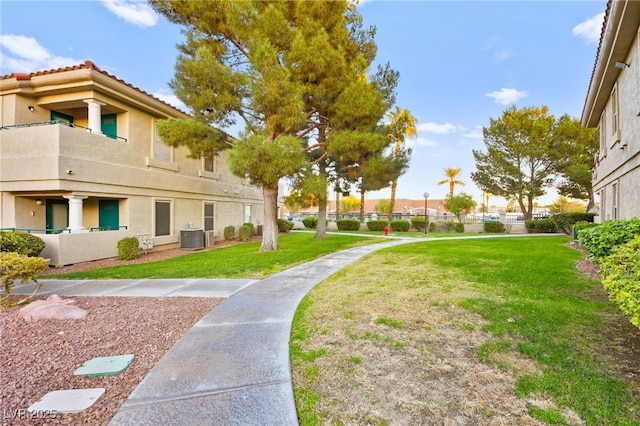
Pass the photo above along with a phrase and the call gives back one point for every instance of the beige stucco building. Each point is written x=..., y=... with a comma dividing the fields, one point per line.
x=81, y=165
x=613, y=106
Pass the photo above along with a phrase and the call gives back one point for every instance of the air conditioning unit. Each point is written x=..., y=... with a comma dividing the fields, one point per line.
x=191, y=239
x=209, y=237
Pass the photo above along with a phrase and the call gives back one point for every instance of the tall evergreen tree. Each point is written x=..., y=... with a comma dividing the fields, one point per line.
x=287, y=69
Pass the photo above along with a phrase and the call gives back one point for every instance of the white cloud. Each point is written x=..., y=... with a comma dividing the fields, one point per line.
x=133, y=11
x=590, y=29
x=503, y=54
x=507, y=96
x=168, y=97
x=420, y=141
x=437, y=128
x=474, y=134
x=24, y=54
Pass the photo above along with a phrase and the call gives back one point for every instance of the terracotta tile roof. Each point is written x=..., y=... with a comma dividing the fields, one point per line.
x=86, y=65
x=595, y=63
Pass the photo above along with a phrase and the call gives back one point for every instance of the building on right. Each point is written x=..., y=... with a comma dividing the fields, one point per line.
x=613, y=107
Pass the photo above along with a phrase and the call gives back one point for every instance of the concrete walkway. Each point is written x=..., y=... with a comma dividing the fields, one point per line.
x=232, y=367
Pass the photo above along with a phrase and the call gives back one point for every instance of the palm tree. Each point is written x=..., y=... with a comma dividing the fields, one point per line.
x=451, y=175
x=401, y=124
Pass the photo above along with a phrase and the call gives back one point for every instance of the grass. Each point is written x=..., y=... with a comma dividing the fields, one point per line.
x=535, y=307
x=237, y=261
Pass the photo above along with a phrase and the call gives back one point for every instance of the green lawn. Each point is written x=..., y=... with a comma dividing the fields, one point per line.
x=537, y=311
x=237, y=261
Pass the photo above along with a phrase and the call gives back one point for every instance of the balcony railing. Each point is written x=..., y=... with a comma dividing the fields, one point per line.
x=63, y=122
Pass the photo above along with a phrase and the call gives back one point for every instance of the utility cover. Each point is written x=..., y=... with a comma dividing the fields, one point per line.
x=105, y=366
x=67, y=401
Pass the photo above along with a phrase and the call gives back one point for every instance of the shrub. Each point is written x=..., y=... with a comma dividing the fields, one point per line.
x=541, y=226
x=15, y=265
x=565, y=221
x=494, y=227
x=250, y=226
x=418, y=223
x=446, y=227
x=377, y=225
x=128, y=248
x=229, y=232
x=310, y=222
x=621, y=277
x=244, y=233
x=348, y=224
x=604, y=239
x=399, y=225
x=285, y=225
x=21, y=243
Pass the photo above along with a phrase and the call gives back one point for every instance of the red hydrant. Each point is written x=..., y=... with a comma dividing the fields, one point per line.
x=386, y=230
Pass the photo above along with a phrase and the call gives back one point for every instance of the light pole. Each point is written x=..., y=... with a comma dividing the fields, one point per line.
x=426, y=216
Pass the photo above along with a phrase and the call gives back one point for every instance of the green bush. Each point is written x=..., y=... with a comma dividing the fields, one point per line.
x=541, y=226
x=348, y=224
x=128, y=248
x=250, y=226
x=494, y=227
x=244, y=233
x=565, y=221
x=21, y=243
x=310, y=222
x=229, y=232
x=15, y=265
x=418, y=223
x=285, y=225
x=604, y=239
x=446, y=226
x=399, y=225
x=376, y=225
x=621, y=277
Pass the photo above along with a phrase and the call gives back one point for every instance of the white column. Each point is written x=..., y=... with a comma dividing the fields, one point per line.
x=95, y=122
x=75, y=213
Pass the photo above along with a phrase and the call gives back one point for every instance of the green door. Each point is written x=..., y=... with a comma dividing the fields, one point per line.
x=108, y=214
x=57, y=216
x=109, y=125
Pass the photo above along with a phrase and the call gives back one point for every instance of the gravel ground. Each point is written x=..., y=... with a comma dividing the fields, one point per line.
x=40, y=357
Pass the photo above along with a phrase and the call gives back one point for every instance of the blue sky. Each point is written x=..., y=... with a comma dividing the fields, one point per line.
x=460, y=62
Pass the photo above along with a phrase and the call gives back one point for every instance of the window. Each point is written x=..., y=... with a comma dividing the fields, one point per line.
x=614, y=111
x=603, y=135
x=161, y=151
x=247, y=213
x=209, y=163
x=162, y=218
x=58, y=116
x=208, y=216
x=614, y=189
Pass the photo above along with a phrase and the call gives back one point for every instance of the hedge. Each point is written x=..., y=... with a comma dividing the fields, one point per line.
x=310, y=222
x=494, y=227
x=128, y=248
x=604, y=239
x=376, y=225
x=541, y=226
x=399, y=225
x=285, y=225
x=348, y=224
x=21, y=243
x=229, y=232
x=446, y=226
x=244, y=233
x=621, y=277
x=418, y=223
x=565, y=221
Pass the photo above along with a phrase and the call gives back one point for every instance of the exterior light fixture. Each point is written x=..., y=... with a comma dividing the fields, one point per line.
x=39, y=201
x=622, y=65
x=426, y=215
x=31, y=108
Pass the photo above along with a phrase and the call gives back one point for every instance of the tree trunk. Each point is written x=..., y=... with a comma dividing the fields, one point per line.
x=591, y=202
x=270, y=228
x=321, y=227
x=361, y=206
x=392, y=202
